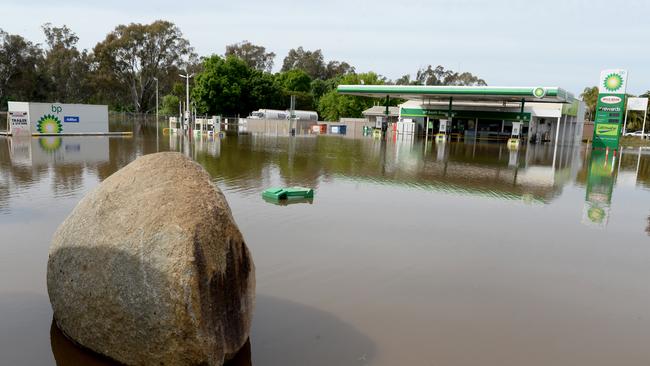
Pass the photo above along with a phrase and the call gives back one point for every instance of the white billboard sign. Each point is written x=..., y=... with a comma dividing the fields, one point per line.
x=57, y=118
x=637, y=104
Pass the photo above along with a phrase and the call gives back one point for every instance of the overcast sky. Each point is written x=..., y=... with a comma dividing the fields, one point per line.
x=506, y=42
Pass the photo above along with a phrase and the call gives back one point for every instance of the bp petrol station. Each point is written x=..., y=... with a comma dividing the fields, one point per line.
x=534, y=114
x=513, y=114
x=520, y=115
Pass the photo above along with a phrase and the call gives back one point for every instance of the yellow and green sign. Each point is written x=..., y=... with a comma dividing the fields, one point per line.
x=607, y=129
x=601, y=176
x=610, y=109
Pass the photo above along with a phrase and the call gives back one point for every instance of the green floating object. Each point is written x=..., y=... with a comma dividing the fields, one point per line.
x=277, y=193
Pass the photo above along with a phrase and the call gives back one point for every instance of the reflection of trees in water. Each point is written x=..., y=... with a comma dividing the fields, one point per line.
x=245, y=162
x=647, y=229
x=4, y=197
x=121, y=151
x=237, y=166
x=18, y=174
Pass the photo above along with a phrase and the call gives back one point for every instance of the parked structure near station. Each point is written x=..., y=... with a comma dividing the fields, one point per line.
x=29, y=118
x=378, y=113
x=545, y=114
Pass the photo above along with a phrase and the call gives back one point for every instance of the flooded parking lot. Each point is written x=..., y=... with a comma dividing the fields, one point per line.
x=411, y=252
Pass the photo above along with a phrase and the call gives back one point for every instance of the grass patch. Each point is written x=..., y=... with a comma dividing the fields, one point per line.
x=633, y=141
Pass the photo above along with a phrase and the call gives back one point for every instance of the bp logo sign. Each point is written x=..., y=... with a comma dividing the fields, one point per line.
x=613, y=82
x=49, y=124
x=539, y=92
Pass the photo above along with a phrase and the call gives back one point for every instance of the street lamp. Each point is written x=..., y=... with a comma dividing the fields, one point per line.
x=156, y=79
x=187, y=98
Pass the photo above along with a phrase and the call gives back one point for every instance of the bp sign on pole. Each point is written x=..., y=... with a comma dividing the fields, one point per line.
x=610, y=109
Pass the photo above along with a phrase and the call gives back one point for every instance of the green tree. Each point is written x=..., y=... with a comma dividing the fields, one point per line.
x=319, y=87
x=441, y=76
x=310, y=62
x=265, y=92
x=170, y=103
x=332, y=106
x=131, y=56
x=405, y=80
x=21, y=70
x=295, y=80
x=230, y=87
x=66, y=68
x=590, y=97
x=255, y=56
x=337, y=68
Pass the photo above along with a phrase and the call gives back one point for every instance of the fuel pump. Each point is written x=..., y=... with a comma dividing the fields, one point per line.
x=441, y=136
x=515, y=136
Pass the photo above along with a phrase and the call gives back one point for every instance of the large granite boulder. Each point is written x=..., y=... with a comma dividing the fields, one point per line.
x=151, y=269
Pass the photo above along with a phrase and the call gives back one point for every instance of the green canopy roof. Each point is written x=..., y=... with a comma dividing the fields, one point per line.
x=461, y=93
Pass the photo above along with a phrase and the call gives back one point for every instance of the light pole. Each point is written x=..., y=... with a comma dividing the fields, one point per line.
x=157, y=146
x=187, y=99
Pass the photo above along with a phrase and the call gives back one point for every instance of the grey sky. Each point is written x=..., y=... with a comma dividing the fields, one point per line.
x=506, y=42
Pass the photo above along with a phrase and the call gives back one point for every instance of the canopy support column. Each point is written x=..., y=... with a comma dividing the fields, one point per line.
x=451, y=102
x=384, y=125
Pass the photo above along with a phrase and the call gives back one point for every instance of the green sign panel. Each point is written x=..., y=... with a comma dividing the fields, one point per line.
x=610, y=109
x=607, y=130
x=601, y=176
x=468, y=114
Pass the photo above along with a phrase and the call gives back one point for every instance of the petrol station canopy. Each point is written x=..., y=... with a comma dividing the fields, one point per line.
x=461, y=93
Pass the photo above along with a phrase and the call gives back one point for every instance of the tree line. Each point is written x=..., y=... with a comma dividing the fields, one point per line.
x=124, y=69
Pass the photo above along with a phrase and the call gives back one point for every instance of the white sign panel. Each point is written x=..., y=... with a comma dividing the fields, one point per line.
x=516, y=128
x=60, y=119
x=637, y=104
x=19, y=123
x=613, y=81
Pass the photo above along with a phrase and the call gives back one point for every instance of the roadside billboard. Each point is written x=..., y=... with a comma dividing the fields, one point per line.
x=637, y=104
x=57, y=118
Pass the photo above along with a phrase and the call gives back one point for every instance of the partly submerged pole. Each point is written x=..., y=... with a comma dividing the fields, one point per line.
x=645, y=115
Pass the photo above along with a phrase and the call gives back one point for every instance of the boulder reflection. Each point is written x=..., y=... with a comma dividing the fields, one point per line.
x=67, y=353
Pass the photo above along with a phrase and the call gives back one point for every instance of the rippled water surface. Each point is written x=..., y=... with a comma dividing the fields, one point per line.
x=411, y=253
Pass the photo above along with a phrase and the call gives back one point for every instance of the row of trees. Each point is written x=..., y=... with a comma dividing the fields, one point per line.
x=120, y=71
x=124, y=69
x=242, y=81
x=590, y=97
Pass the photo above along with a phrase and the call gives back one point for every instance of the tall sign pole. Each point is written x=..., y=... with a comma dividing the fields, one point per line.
x=610, y=108
x=645, y=114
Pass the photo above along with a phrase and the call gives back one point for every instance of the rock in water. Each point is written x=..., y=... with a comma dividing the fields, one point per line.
x=151, y=269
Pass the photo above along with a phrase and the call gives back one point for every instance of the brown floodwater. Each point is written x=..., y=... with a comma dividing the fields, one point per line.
x=410, y=253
